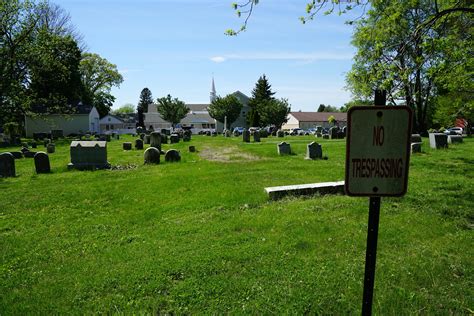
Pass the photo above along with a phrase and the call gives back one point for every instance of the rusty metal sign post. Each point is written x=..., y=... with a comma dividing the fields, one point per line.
x=377, y=161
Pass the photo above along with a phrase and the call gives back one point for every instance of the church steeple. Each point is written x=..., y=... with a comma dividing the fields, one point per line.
x=213, y=91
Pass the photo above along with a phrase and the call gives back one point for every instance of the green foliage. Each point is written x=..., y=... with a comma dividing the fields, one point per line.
x=228, y=106
x=125, y=109
x=327, y=108
x=98, y=77
x=146, y=99
x=11, y=129
x=356, y=102
x=172, y=110
x=261, y=93
x=331, y=119
x=274, y=112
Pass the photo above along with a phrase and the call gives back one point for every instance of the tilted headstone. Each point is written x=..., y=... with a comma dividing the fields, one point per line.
x=151, y=155
x=147, y=139
x=51, y=148
x=438, y=140
x=29, y=154
x=333, y=132
x=174, y=138
x=155, y=140
x=256, y=136
x=454, y=139
x=17, y=154
x=42, y=164
x=415, y=147
x=172, y=155
x=127, y=146
x=89, y=155
x=192, y=149
x=7, y=165
x=280, y=133
x=415, y=138
x=138, y=143
x=246, y=136
x=314, y=151
x=284, y=148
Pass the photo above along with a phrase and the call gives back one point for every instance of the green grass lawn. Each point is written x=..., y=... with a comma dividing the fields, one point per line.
x=200, y=236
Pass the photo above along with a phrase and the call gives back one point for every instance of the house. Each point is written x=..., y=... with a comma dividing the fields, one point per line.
x=305, y=120
x=85, y=119
x=119, y=123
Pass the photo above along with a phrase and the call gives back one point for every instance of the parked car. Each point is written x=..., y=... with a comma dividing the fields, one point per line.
x=454, y=131
x=239, y=130
x=296, y=131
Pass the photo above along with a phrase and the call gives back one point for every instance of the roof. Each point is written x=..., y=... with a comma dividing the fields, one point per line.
x=319, y=116
x=197, y=107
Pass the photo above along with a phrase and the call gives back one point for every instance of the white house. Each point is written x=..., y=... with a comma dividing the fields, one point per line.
x=85, y=120
x=122, y=124
x=305, y=120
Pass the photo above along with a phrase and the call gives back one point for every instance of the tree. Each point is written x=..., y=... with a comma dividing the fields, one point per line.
x=274, y=112
x=172, y=110
x=355, y=102
x=145, y=99
x=327, y=108
x=228, y=106
x=125, y=109
x=332, y=120
x=262, y=92
x=98, y=77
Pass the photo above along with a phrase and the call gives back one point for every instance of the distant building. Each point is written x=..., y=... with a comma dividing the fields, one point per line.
x=85, y=119
x=119, y=123
x=198, y=118
x=305, y=120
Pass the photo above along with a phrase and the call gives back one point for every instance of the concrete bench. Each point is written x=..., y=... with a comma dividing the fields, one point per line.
x=322, y=188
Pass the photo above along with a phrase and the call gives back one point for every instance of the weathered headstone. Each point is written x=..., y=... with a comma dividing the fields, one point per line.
x=164, y=138
x=147, y=139
x=192, y=149
x=284, y=148
x=280, y=133
x=51, y=148
x=415, y=147
x=155, y=140
x=7, y=165
x=174, y=138
x=333, y=132
x=57, y=133
x=314, y=151
x=89, y=155
x=46, y=141
x=454, y=139
x=256, y=136
x=415, y=138
x=172, y=155
x=138, y=143
x=127, y=146
x=246, y=136
x=438, y=140
x=263, y=133
x=187, y=136
x=42, y=164
x=151, y=155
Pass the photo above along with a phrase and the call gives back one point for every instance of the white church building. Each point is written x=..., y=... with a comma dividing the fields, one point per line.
x=198, y=118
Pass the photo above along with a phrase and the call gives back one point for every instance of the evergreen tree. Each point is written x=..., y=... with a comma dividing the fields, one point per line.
x=261, y=93
x=145, y=99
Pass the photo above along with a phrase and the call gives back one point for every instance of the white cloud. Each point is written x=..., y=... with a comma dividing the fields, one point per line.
x=218, y=59
x=303, y=57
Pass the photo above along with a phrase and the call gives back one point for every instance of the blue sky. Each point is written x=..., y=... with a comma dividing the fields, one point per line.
x=176, y=46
